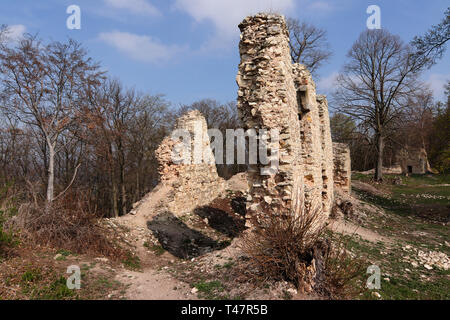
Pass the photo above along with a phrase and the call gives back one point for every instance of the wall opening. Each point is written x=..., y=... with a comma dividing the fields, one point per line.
x=301, y=102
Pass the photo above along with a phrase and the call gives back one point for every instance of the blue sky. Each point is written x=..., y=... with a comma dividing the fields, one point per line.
x=188, y=49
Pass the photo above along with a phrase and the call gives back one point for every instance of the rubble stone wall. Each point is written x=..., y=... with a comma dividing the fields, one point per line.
x=274, y=94
x=342, y=167
x=194, y=184
x=311, y=139
x=267, y=99
x=327, y=155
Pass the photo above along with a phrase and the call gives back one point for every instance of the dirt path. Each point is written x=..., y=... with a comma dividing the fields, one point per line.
x=348, y=228
x=149, y=284
x=154, y=285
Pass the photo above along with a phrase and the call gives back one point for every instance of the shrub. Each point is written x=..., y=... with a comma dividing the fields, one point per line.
x=341, y=270
x=295, y=249
x=7, y=237
x=282, y=247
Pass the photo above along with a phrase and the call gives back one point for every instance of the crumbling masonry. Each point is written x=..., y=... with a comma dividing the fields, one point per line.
x=195, y=182
x=275, y=94
x=342, y=167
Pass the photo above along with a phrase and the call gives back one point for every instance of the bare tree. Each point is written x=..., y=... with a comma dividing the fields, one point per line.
x=375, y=84
x=308, y=44
x=45, y=84
x=431, y=46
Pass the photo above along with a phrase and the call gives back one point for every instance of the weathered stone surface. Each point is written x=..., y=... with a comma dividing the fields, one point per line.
x=342, y=167
x=267, y=100
x=274, y=94
x=327, y=154
x=195, y=182
x=310, y=129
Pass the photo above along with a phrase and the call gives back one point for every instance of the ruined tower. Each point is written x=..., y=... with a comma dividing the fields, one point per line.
x=186, y=162
x=275, y=94
x=267, y=99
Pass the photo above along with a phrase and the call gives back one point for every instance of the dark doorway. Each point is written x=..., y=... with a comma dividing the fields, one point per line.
x=410, y=169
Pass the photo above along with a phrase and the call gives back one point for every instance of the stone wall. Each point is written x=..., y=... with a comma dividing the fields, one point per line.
x=274, y=94
x=267, y=99
x=327, y=154
x=195, y=181
x=342, y=167
x=311, y=136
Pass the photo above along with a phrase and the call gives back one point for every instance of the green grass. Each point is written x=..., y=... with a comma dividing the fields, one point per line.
x=31, y=275
x=404, y=225
x=57, y=290
x=158, y=250
x=411, y=180
x=211, y=290
x=132, y=262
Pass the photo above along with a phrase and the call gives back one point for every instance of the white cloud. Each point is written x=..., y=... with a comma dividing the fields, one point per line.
x=227, y=14
x=328, y=83
x=141, y=7
x=140, y=47
x=15, y=32
x=437, y=82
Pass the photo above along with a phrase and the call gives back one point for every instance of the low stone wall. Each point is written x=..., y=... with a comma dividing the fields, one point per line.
x=342, y=167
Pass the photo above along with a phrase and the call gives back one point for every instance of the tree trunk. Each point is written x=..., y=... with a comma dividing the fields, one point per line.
x=114, y=198
x=51, y=173
x=379, y=162
x=123, y=190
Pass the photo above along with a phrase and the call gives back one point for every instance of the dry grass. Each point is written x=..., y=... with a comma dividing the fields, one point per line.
x=69, y=223
x=341, y=270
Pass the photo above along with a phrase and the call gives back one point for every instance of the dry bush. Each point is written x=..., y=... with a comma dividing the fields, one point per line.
x=294, y=248
x=282, y=247
x=68, y=223
x=341, y=270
